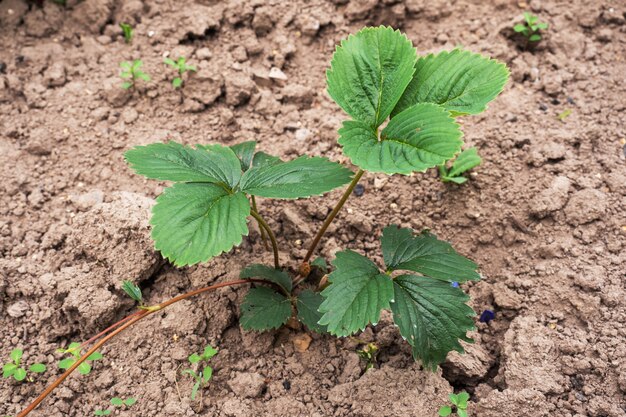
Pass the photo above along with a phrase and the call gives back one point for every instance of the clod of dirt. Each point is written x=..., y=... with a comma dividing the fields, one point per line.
x=586, y=206
x=473, y=365
x=547, y=152
x=510, y=402
x=113, y=92
x=239, y=88
x=247, y=384
x=92, y=15
x=551, y=199
x=360, y=9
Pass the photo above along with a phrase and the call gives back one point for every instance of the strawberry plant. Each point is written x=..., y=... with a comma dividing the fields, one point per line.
x=131, y=71
x=180, y=65
x=403, y=109
x=15, y=369
x=465, y=161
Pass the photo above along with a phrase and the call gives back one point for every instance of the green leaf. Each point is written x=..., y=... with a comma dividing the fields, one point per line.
x=264, y=309
x=460, y=81
x=456, y=180
x=445, y=411
x=126, y=66
x=194, y=358
x=454, y=399
x=461, y=413
x=8, y=369
x=209, y=352
x=84, y=368
x=126, y=85
x=462, y=398
x=542, y=26
x=16, y=355
x=207, y=373
x=196, y=221
x=143, y=76
x=132, y=290
x=117, y=401
x=37, y=368
x=102, y=412
x=432, y=316
x=194, y=390
x=170, y=62
x=356, y=295
x=321, y=264
x=519, y=28
x=421, y=137
x=369, y=71
x=466, y=160
x=177, y=82
x=262, y=159
x=66, y=363
x=535, y=38
x=245, y=153
x=308, y=304
x=426, y=255
x=95, y=356
x=175, y=162
x=270, y=274
x=19, y=374
x=130, y=401
x=302, y=177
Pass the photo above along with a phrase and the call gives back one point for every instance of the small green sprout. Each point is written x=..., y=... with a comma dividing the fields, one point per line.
x=531, y=27
x=181, y=66
x=564, y=114
x=201, y=378
x=459, y=405
x=102, y=412
x=127, y=30
x=118, y=402
x=369, y=353
x=466, y=160
x=13, y=368
x=131, y=71
x=74, y=350
x=133, y=291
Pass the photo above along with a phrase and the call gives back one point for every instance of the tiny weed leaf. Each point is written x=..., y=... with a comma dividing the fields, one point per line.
x=66, y=363
x=132, y=71
x=245, y=153
x=194, y=390
x=357, y=294
x=177, y=82
x=461, y=413
x=270, y=274
x=262, y=159
x=37, y=368
x=19, y=374
x=264, y=309
x=460, y=81
x=302, y=177
x=207, y=373
x=117, y=401
x=84, y=368
x=95, y=356
x=432, y=316
x=8, y=370
x=130, y=401
x=426, y=255
x=16, y=355
x=127, y=30
x=531, y=27
x=453, y=398
x=102, y=412
x=194, y=358
x=445, y=411
x=368, y=73
x=308, y=304
x=462, y=398
x=208, y=353
x=132, y=290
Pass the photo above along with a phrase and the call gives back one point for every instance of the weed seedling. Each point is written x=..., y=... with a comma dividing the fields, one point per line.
x=530, y=28
x=202, y=378
x=466, y=160
x=564, y=115
x=74, y=351
x=18, y=372
x=181, y=66
x=133, y=291
x=459, y=405
x=132, y=72
x=116, y=402
x=101, y=412
x=127, y=30
x=369, y=353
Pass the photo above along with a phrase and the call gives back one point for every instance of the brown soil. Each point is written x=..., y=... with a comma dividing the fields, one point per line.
x=544, y=215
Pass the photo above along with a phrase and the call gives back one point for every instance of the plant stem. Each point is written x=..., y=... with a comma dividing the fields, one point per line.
x=113, y=326
x=333, y=214
x=264, y=224
x=263, y=237
x=134, y=319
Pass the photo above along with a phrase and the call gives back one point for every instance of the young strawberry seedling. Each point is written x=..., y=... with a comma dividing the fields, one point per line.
x=18, y=372
x=465, y=161
x=531, y=27
x=203, y=377
x=132, y=72
x=74, y=350
x=127, y=31
x=181, y=66
x=459, y=405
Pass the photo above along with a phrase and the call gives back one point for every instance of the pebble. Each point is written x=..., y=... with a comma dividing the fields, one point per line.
x=359, y=190
x=277, y=74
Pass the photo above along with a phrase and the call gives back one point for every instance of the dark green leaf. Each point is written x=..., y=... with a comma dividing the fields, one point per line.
x=426, y=255
x=196, y=221
x=356, y=295
x=264, y=309
x=262, y=159
x=245, y=153
x=421, y=137
x=432, y=316
x=270, y=274
x=460, y=81
x=308, y=310
x=175, y=162
x=369, y=71
x=302, y=177
x=132, y=290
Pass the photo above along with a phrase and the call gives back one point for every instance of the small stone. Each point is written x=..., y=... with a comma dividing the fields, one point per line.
x=18, y=309
x=247, y=384
x=239, y=88
x=204, y=54
x=301, y=342
x=54, y=76
x=359, y=190
x=277, y=74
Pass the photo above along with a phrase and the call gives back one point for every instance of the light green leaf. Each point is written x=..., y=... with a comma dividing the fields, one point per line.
x=143, y=76
x=130, y=401
x=456, y=180
x=96, y=356
x=270, y=274
x=209, y=352
x=8, y=369
x=175, y=162
x=19, y=374
x=460, y=81
x=454, y=399
x=37, y=368
x=461, y=413
x=196, y=221
x=535, y=38
x=264, y=309
x=421, y=137
x=462, y=398
x=466, y=160
x=117, y=401
x=66, y=363
x=132, y=290
x=356, y=295
x=426, y=255
x=194, y=358
x=432, y=316
x=84, y=368
x=16, y=355
x=262, y=159
x=170, y=62
x=302, y=177
x=445, y=411
x=369, y=71
x=308, y=304
x=245, y=153
x=194, y=390
x=519, y=28
x=126, y=85
x=177, y=82
x=207, y=373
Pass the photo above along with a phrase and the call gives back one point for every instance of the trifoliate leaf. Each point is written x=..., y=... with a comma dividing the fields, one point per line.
x=175, y=162
x=37, y=368
x=132, y=290
x=421, y=137
x=432, y=316
x=262, y=159
x=466, y=160
x=356, y=295
x=426, y=255
x=19, y=374
x=460, y=81
x=196, y=221
x=302, y=177
x=245, y=153
x=265, y=272
x=369, y=72
x=264, y=309
x=308, y=304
